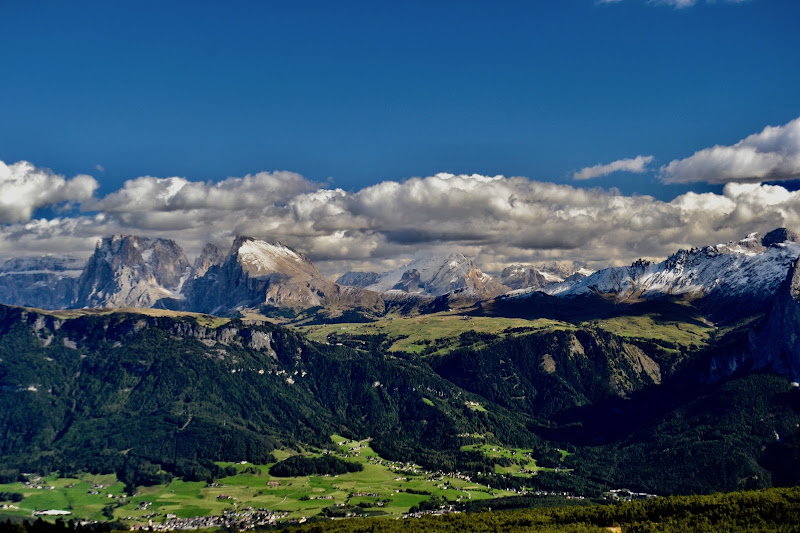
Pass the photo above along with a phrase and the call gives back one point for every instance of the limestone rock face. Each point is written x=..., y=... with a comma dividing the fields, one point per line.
x=777, y=345
x=210, y=256
x=358, y=279
x=131, y=271
x=257, y=273
x=48, y=282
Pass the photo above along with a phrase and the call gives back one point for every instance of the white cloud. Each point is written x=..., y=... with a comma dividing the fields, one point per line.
x=771, y=155
x=254, y=190
x=636, y=165
x=495, y=218
x=23, y=188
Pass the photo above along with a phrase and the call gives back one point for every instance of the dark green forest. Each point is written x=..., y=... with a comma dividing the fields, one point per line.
x=151, y=398
x=765, y=511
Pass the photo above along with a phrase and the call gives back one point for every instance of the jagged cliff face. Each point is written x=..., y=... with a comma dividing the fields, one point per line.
x=210, y=256
x=257, y=273
x=358, y=279
x=776, y=344
x=131, y=271
x=47, y=282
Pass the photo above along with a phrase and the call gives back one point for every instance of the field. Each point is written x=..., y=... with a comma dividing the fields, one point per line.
x=380, y=489
x=202, y=319
x=653, y=326
x=413, y=334
x=523, y=464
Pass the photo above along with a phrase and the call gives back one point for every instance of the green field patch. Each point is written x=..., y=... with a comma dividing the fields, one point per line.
x=415, y=334
x=188, y=511
x=522, y=462
x=475, y=406
x=683, y=331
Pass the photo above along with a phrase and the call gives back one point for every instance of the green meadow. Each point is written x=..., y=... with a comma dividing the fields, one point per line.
x=413, y=334
x=523, y=464
x=379, y=489
x=683, y=332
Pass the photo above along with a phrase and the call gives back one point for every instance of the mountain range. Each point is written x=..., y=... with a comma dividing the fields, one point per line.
x=134, y=271
x=725, y=281
x=672, y=376
x=139, y=272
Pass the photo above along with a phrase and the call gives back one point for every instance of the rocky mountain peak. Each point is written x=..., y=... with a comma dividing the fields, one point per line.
x=536, y=276
x=257, y=273
x=438, y=275
x=132, y=271
x=261, y=258
x=780, y=235
x=728, y=280
x=210, y=256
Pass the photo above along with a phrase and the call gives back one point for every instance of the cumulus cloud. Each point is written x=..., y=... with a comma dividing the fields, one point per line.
x=172, y=194
x=637, y=165
x=496, y=219
x=23, y=188
x=771, y=155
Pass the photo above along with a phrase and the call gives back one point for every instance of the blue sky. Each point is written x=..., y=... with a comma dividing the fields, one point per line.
x=350, y=94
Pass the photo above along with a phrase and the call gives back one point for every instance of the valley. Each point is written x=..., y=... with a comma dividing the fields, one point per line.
x=383, y=488
x=442, y=398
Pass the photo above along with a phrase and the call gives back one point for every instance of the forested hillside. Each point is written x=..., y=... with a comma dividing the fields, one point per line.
x=152, y=396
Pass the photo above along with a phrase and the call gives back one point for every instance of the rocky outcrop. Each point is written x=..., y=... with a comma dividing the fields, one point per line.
x=210, y=256
x=779, y=235
x=358, y=279
x=777, y=345
x=131, y=271
x=256, y=273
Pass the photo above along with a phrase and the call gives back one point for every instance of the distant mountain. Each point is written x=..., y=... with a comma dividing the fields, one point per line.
x=430, y=276
x=540, y=275
x=256, y=273
x=727, y=281
x=132, y=271
x=47, y=282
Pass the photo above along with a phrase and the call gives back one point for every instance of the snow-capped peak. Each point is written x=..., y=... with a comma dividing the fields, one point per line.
x=745, y=270
x=265, y=256
x=436, y=275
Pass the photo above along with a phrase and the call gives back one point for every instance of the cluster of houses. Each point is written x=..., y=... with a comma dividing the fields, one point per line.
x=247, y=518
